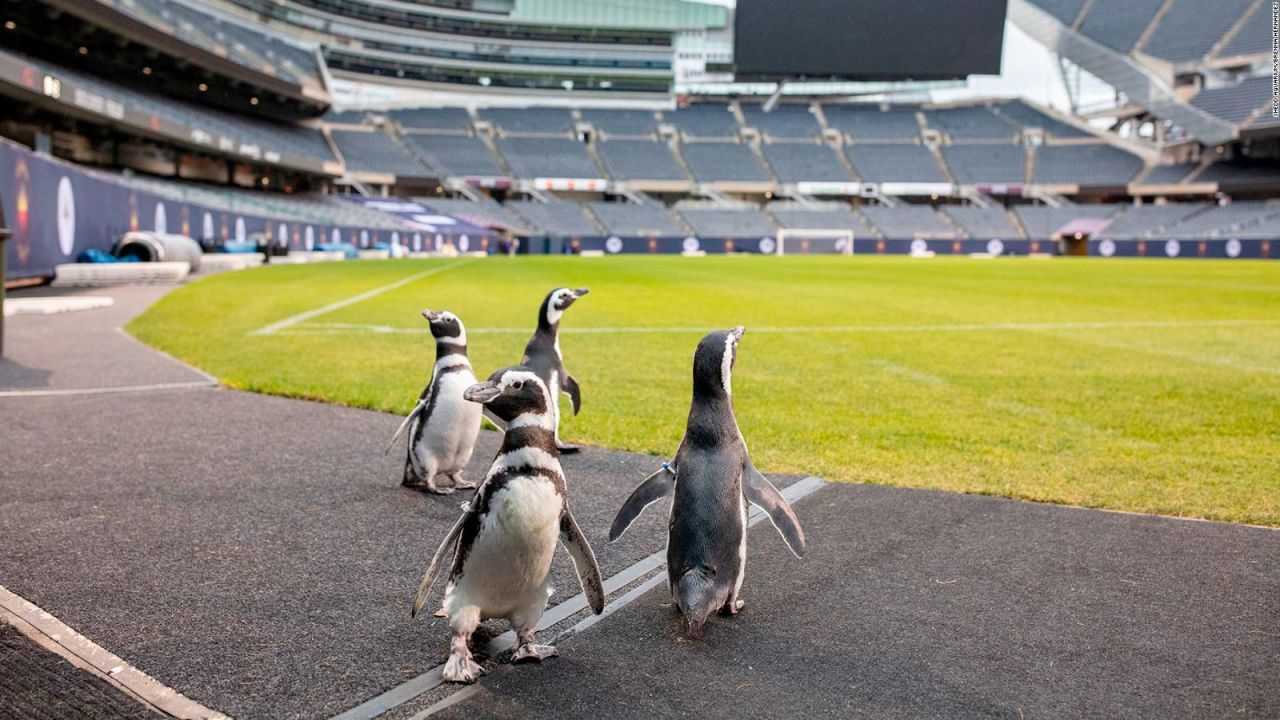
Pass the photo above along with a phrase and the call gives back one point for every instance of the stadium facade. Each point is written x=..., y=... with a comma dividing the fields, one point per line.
x=616, y=127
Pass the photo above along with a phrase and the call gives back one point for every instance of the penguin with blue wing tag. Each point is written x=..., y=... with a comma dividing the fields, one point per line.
x=711, y=479
x=507, y=534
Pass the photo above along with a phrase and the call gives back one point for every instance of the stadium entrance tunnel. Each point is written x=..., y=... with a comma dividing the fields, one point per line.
x=159, y=247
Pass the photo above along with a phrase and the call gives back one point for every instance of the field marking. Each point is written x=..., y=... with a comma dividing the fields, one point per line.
x=348, y=328
x=110, y=390
x=433, y=678
x=52, y=634
x=295, y=319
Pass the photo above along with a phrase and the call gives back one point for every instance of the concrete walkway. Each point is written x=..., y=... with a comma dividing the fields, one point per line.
x=257, y=555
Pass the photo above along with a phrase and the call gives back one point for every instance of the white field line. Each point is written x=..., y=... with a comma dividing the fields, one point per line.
x=295, y=319
x=110, y=390
x=348, y=328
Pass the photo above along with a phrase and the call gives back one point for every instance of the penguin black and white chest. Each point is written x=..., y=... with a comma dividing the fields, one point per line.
x=507, y=534
x=712, y=480
x=443, y=425
x=542, y=355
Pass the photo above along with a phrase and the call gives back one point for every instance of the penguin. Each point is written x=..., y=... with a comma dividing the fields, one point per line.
x=442, y=426
x=542, y=355
x=712, y=480
x=507, y=533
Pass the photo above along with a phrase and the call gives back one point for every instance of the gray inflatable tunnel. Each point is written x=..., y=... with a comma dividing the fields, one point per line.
x=159, y=247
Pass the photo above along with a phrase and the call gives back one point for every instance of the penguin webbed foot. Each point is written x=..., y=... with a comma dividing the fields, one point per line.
x=462, y=669
x=733, y=607
x=534, y=652
x=567, y=449
x=461, y=484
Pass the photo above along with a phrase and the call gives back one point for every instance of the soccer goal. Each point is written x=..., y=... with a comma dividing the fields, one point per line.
x=815, y=242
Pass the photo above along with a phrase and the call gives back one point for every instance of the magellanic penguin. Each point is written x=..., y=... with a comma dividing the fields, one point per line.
x=443, y=425
x=542, y=355
x=507, y=534
x=712, y=479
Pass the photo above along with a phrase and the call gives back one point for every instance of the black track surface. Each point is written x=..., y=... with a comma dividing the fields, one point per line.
x=35, y=684
x=917, y=604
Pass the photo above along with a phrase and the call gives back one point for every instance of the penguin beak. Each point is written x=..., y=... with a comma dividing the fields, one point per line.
x=579, y=292
x=737, y=333
x=482, y=393
x=431, y=315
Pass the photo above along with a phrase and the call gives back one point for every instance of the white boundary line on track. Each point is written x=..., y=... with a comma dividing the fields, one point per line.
x=347, y=328
x=52, y=634
x=295, y=319
x=433, y=678
x=110, y=390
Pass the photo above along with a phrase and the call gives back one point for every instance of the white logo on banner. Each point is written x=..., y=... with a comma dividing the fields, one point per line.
x=1233, y=248
x=206, y=227
x=1172, y=248
x=613, y=244
x=282, y=235
x=161, y=221
x=768, y=245
x=919, y=246
x=464, y=243
x=395, y=238
x=417, y=242
x=364, y=238
x=995, y=247
x=66, y=216
x=309, y=238
x=335, y=236
x=841, y=243
x=240, y=230
x=1107, y=248
x=439, y=242
x=691, y=244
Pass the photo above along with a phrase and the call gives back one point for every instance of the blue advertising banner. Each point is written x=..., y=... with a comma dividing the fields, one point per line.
x=1228, y=248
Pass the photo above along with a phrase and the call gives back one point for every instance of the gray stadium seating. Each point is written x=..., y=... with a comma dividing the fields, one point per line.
x=1140, y=221
x=455, y=155
x=973, y=164
x=1235, y=103
x=1098, y=164
x=639, y=160
x=1119, y=23
x=374, y=151
x=704, y=120
x=894, y=163
x=725, y=222
x=723, y=162
x=1065, y=10
x=559, y=219
x=454, y=119
x=539, y=157
x=621, y=123
x=868, y=122
x=828, y=216
x=1242, y=172
x=908, y=221
x=785, y=121
x=805, y=162
x=533, y=121
x=1232, y=220
x=982, y=223
x=1042, y=221
x=1029, y=117
x=1188, y=32
x=1162, y=174
x=971, y=123
x=1254, y=36
x=649, y=219
x=345, y=117
x=485, y=212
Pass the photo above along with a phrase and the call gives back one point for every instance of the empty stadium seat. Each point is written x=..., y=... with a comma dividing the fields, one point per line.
x=374, y=151
x=1140, y=221
x=908, y=221
x=1118, y=24
x=1234, y=103
x=1030, y=118
x=785, y=121
x=869, y=122
x=831, y=216
x=704, y=120
x=534, y=121
x=723, y=162
x=1065, y=10
x=1187, y=32
x=971, y=123
x=639, y=160
x=982, y=223
x=982, y=164
x=486, y=212
x=1162, y=174
x=558, y=219
x=455, y=156
x=1084, y=165
x=453, y=119
x=649, y=219
x=894, y=163
x=541, y=157
x=805, y=162
x=1042, y=222
x=621, y=123
x=726, y=222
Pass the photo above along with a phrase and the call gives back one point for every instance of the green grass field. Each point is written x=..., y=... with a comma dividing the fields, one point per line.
x=1150, y=386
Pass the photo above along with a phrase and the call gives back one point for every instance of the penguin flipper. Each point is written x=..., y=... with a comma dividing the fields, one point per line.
x=408, y=419
x=584, y=561
x=654, y=488
x=765, y=496
x=424, y=587
x=575, y=393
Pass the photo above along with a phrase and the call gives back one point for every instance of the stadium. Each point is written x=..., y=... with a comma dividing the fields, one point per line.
x=1006, y=275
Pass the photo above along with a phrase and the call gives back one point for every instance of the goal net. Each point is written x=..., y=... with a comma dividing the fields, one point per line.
x=815, y=242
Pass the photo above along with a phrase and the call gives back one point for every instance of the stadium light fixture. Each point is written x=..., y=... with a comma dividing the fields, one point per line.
x=10, y=25
x=203, y=87
x=83, y=50
x=485, y=81
x=253, y=101
x=146, y=70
